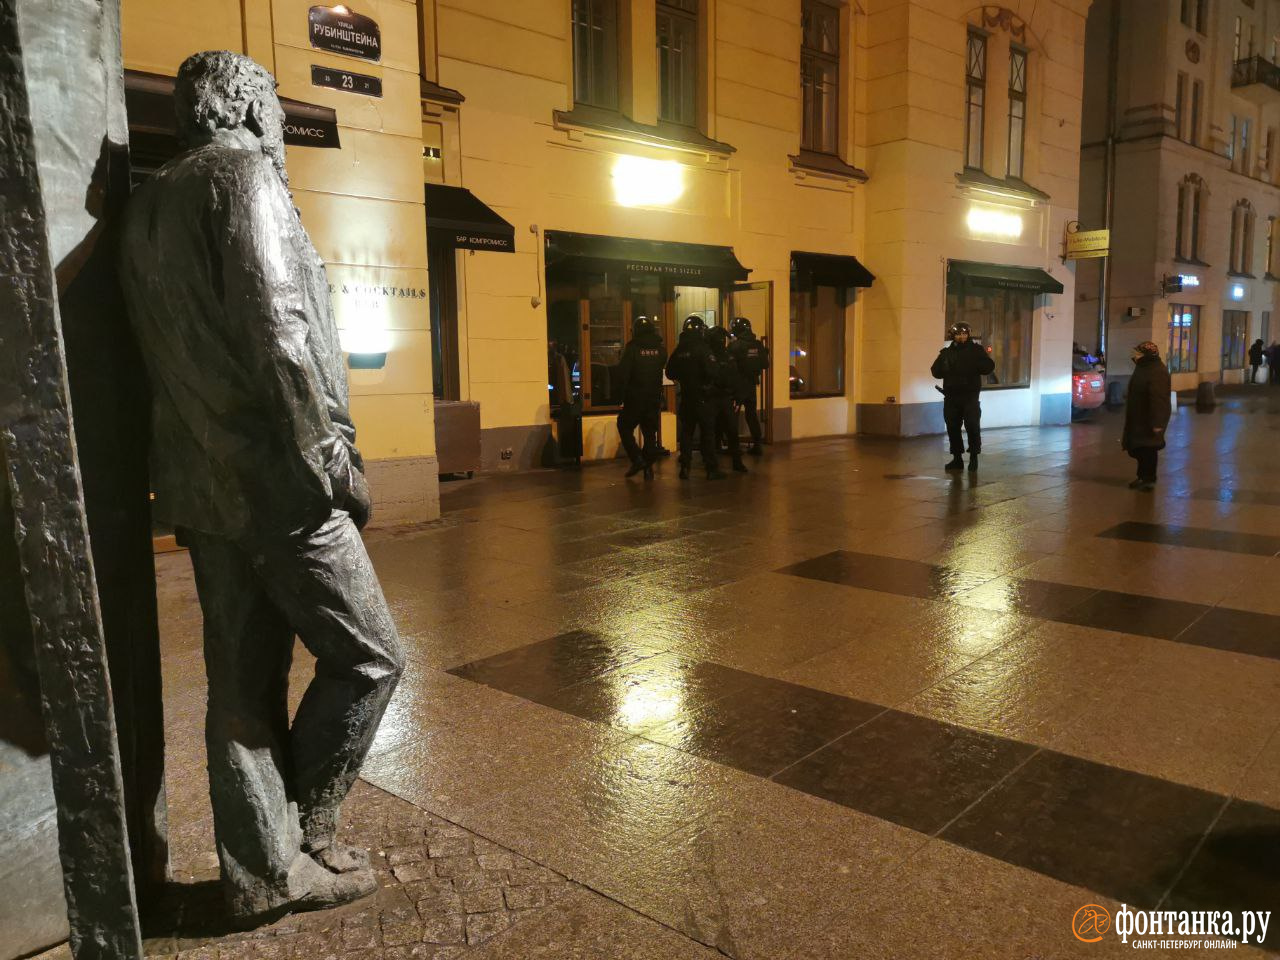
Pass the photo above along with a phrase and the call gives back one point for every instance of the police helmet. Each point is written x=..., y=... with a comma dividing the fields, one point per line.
x=740, y=326
x=959, y=328
x=642, y=324
x=694, y=322
x=718, y=336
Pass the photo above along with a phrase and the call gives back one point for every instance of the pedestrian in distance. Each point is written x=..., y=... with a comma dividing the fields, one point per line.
x=690, y=367
x=752, y=359
x=1147, y=409
x=961, y=367
x=640, y=374
x=1272, y=354
x=1255, y=359
x=726, y=383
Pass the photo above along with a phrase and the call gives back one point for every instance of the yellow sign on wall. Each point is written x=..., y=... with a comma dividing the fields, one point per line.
x=1083, y=244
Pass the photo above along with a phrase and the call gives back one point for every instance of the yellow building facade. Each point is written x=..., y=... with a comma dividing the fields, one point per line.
x=535, y=175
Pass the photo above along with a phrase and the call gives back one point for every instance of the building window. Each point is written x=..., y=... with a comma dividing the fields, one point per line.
x=1242, y=224
x=1242, y=156
x=1180, y=109
x=820, y=76
x=1001, y=321
x=1184, y=330
x=975, y=105
x=678, y=61
x=1268, y=154
x=1187, y=229
x=1017, y=110
x=1202, y=16
x=1271, y=247
x=1197, y=97
x=1266, y=326
x=595, y=53
x=817, y=340
x=1237, y=42
x=1235, y=338
x=1194, y=13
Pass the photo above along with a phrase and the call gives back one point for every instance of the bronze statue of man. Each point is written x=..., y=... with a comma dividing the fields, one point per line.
x=254, y=463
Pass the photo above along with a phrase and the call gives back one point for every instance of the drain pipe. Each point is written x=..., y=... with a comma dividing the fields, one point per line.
x=1109, y=179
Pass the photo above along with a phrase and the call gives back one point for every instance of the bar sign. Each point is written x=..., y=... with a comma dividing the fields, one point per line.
x=345, y=81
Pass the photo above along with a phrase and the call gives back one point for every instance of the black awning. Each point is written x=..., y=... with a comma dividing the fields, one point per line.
x=153, y=128
x=829, y=270
x=999, y=276
x=457, y=217
x=692, y=262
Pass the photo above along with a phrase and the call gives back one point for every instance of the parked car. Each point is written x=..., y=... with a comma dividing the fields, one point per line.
x=1088, y=384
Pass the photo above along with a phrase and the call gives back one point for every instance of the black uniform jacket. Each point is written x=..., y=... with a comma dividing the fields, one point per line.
x=640, y=370
x=961, y=367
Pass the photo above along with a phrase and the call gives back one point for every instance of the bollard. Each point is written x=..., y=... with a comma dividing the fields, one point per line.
x=1205, y=399
x=1115, y=395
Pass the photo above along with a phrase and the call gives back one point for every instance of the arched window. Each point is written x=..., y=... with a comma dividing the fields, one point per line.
x=1189, y=228
x=1242, y=224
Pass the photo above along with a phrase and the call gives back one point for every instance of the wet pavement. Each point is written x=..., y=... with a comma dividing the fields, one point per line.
x=846, y=706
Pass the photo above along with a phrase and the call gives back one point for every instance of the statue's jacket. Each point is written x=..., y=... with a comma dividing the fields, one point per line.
x=251, y=432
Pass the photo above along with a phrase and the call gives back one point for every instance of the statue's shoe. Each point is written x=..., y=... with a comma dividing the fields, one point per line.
x=341, y=858
x=312, y=887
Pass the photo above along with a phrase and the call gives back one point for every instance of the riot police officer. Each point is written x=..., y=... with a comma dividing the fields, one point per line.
x=690, y=367
x=725, y=384
x=961, y=367
x=640, y=373
x=752, y=358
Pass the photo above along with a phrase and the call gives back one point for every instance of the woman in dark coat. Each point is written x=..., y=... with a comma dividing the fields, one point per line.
x=1146, y=412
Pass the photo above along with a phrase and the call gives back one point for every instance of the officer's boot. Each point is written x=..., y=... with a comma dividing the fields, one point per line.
x=956, y=463
x=973, y=463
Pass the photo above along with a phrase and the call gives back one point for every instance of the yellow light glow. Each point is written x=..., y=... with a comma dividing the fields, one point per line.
x=646, y=705
x=640, y=182
x=986, y=222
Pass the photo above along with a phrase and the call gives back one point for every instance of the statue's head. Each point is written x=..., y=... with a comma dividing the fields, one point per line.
x=220, y=90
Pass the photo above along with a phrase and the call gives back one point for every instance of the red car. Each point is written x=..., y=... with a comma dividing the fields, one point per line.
x=1087, y=385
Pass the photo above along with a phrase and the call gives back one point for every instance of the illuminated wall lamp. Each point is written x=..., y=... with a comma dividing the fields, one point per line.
x=366, y=347
x=640, y=182
x=984, y=222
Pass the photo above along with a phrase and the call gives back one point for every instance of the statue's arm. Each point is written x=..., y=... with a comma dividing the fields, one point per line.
x=262, y=278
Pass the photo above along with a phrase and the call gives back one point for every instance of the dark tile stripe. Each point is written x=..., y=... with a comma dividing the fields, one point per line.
x=1203, y=538
x=1119, y=833
x=1197, y=624
x=1235, y=867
